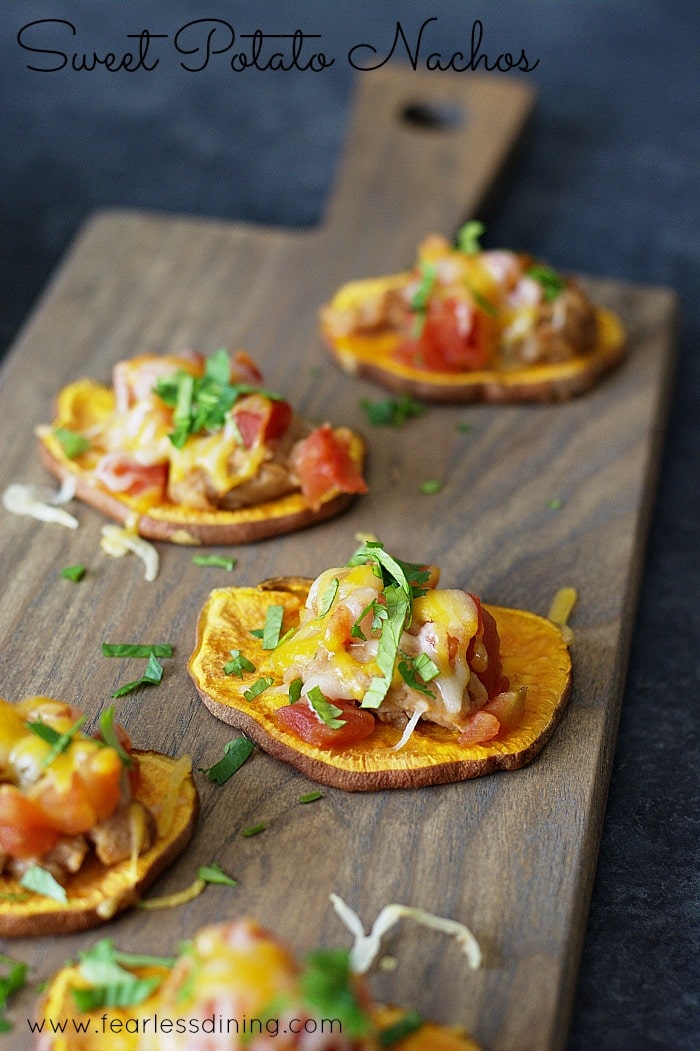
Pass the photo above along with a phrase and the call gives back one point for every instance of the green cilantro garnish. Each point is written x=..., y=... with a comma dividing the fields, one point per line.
x=328, y=991
x=110, y=738
x=409, y=1023
x=464, y=428
x=10, y=984
x=216, y=561
x=552, y=284
x=151, y=677
x=428, y=277
x=485, y=304
x=201, y=403
x=295, y=690
x=310, y=797
x=111, y=983
x=402, y=583
x=163, y=649
x=60, y=742
x=42, y=882
x=418, y=671
x=328, y=713
x=328, y=596
x=254, y=830
x=235, y=754
x=430, y=486
x=74, y=573
x=215, y=874
x=273, y=626
x=468, y=237
x=258, y=687
x=238, y=664
x=555, y=503
x=72, y=443
x=392, y=412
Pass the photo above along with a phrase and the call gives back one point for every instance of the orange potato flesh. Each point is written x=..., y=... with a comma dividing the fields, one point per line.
x=95, y=893
x=534, y=655
x=86, y=403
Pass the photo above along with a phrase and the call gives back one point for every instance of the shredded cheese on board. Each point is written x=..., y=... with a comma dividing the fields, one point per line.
x=118, y=541
x=41, y=503
x=367, y=946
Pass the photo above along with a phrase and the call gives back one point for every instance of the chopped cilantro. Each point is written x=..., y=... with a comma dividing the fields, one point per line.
x=295, y=690
x=328, y=596
x=74, y=573
x=273, y=626
x=400, y=1029
x=10, y=983
x=414, y=677
x=235, y=754
x=127, y=649
x=555, y=503
x=326, y=711
x=202, y=403
x=310, y=797
x=42, y=882
x=254, y=830
x=216, y=561
x=552, y=284
x=485, y=304
x=151, y=677
x=468, y=237
x=258, y=687
x=238, y=664
x=428, y=277
x=110, y=738
x=392, y=412
x=464, y=428
x=60, y=742
x=72, y=443
x=327, y=989
x=430, y=486
x=215, y=874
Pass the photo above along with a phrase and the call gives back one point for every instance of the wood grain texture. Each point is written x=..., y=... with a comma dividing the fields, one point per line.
x=511, y=854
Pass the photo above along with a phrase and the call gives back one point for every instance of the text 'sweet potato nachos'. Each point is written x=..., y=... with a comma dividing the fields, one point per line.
x=86, y=822
x=469, y=325
x=196, y=451
x=372, y=677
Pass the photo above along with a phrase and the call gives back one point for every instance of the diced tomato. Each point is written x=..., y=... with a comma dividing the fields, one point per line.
x=93, y=794
x=508, y=707
x=244, y=369
x=260, y=419
x=456, y=337
x=301, y=720
x=24, y=830
x=120, y=474
x=325, y=467
x=487, y=632
x=482, y=726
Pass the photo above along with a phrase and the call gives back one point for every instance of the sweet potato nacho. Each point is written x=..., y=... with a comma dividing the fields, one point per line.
x=86, y=822
x=373, y=677
x=470, y=325
x=233, y=986
x=197, y=450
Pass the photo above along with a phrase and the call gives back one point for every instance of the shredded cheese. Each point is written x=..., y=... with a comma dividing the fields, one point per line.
x=560, y=611
x=367, y=946
x=41, y=503
x=118, y=541
x=410, y=727
x=181, y=897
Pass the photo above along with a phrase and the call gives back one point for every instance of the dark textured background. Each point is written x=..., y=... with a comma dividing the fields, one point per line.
x=606, y=184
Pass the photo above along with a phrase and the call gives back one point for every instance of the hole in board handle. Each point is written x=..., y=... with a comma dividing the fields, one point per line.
x=433, y=116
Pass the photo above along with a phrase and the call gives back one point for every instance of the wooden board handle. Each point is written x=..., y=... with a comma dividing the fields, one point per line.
x=413, y=132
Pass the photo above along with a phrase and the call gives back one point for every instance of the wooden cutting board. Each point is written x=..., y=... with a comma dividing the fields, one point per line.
x=512, y=855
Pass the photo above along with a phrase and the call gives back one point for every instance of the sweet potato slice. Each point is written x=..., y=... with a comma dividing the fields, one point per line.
x=96, y=892
x=370, y=354
x=534, y=655
x=58, y=1004
x=86, y=403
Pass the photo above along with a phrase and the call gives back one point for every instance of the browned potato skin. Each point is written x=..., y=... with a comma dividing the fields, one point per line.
x=76, y=916
x=257, y=523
